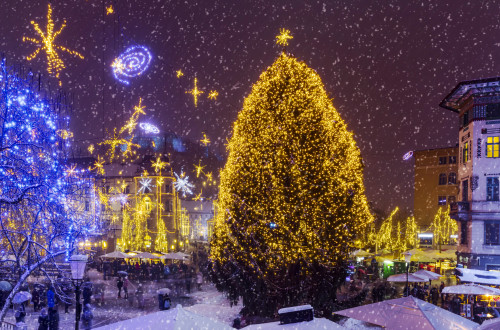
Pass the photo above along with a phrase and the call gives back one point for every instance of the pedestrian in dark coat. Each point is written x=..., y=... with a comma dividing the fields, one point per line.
x=87, y=293
x=43, y=320
x=119, y=285
x=434, y=295
x=53, y=319
x=87, y=317
x=35, y=299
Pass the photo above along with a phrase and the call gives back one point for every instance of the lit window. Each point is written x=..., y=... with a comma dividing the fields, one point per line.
x=442, y=179
x=441, y=200
x=465, y=152
x=492, y=188
x=493, y=147
x=452, y=178
x=147, y=203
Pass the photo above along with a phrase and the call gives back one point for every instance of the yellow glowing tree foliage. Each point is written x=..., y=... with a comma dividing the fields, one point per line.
x=291, y=200
x=443, y=226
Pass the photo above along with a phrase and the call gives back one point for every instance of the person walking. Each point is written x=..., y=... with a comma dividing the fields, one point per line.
x=43, y=320
x=199, y=280
x=53, y=319
x=125, y=287
x=87, y=317
x=87, y=293
x=434, y=295
x=140, y=296
x=119, y=284
x=441, y=287
x=51, y=299
x=35, y=299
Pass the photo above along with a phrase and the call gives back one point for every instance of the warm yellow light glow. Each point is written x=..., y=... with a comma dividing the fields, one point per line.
x=109, y=10
x=159, y=165
x=64, y=134
x=283, y=37
x=205, y=141
x=91, y=149
x=46, y=43
x=195, y=92
x=199, y=169
x=213, y=95
x=179, y=73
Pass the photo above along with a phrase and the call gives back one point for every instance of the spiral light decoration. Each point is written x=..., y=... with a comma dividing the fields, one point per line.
x=132, y=63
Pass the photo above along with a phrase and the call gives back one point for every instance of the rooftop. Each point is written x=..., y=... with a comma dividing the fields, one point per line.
x=465, y=89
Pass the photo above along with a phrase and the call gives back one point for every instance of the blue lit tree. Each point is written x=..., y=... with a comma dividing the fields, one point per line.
x=45, y=205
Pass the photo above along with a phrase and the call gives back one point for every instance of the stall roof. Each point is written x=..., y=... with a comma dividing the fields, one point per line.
x=478, y=276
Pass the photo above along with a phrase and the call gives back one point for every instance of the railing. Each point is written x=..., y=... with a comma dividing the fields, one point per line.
x=7, y=326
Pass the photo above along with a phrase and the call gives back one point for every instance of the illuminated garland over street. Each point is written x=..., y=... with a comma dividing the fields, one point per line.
x=46, y=43
x=131, y=63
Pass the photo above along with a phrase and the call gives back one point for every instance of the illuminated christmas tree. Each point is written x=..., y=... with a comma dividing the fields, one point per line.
x=291, y=200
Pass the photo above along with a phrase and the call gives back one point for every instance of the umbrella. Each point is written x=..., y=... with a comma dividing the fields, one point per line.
x=175, y=256
x=117, y=255
x=5, y=286
x=122, y=273
x=21, y=297
x=174, y=318
x=163, y=291
x=403, y=313
x=472, y=289
x=411, y=278
x=145, y=255
x=492, y=324
x=431, y=275
x=360, y=253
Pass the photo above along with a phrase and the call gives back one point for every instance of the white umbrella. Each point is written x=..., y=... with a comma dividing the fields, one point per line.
x=431, y=275
x=472, y=289
x=21, y=297
x=411, y=278
x=360, y=253
x=408, y=313
x=175, y=256
x=493, y=324
x=145, y=255
x=117, y=255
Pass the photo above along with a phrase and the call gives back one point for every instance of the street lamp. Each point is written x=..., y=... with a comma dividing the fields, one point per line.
x=407, y=260
x=77, y=264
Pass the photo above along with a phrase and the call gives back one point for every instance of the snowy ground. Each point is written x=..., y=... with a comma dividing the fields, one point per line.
x=207, y=302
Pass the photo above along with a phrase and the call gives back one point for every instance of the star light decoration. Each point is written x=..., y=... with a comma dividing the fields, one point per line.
x=205, y=141
x=213, y=95
x=283, y=37
x=64, y=134
x=159, y=165
x=110, y=10
x=199, y=169
x=46, y=43
x=179, y=73
x=195, y=92
x=146, y=185
x=182, y=184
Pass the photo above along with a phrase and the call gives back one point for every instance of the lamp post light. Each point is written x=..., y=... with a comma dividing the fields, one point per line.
x=77, y=264
x=407, y=260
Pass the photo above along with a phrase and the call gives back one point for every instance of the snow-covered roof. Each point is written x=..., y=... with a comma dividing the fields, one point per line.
x=316, y=323
x=465, y=89
x=478, y=276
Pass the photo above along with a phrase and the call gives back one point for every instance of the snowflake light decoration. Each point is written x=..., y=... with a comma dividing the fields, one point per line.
x=205, y=141
x=182, y=184
x=149, y=128
x=146, y=185
x=131, y=63
x=213, y=95
x=283, y=37
x=179, y=73
x=46, y=43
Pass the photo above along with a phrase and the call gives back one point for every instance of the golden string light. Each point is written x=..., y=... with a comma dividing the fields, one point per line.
x=179, y=73
x=199, y=169
x=195, y=92
x=159, y=165
x=283, y=37
x=46, y=43
x=91, y=149
x=64, y=134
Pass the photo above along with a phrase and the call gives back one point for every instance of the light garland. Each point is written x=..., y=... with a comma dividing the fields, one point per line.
x=131, y=63
x=54, y=63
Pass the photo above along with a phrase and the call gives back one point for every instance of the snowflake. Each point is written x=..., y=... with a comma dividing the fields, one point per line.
x=146, y=185
x=182, y=184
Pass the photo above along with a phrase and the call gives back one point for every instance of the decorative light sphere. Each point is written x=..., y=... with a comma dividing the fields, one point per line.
x=131, y=63
x=149, y=128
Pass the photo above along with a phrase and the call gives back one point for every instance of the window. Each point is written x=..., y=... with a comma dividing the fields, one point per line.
x=168, y=189
x=452, y=178
x=452, y=199
x=492, y=146
x=441, y=200
x=492, y=188
x=465, y=152
x=492, y=233
x=452, y=159
x=87, y=206
x=465, y=190
x=442, y=179
x=463, y=232
x=442, y=160
x=168, y=205
x=493, y=111
x=127, y=189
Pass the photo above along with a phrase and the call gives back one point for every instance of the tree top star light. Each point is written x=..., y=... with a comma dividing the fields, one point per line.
x=46, y=43
x=283, y=37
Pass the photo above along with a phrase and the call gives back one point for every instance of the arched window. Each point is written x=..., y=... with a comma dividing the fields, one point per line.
x=452, y=178
x=442, y=179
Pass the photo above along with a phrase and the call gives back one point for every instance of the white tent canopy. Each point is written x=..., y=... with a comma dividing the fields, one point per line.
x=411, y=278
x=402, y=312
x=145, y=255
x=431, y=275
x=474, y=289
x=174, y=319
x=316, y=323
x=117, y=255
x=175, y=256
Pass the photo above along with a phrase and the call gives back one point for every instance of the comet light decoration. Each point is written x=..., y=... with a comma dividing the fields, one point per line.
x=213, y=95
x=195, y=92
x=149, y=128
x=182, y=184
x=46, y=43
x=408, y=155
x=131, y=63
x=283, y=37
x=179, y=73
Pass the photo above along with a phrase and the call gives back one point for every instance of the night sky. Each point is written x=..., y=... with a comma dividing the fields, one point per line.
x=386, y=65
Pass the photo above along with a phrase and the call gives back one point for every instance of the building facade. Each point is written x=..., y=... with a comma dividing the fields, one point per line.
x=477, y=210
x=199, y=216
x=435, y=183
